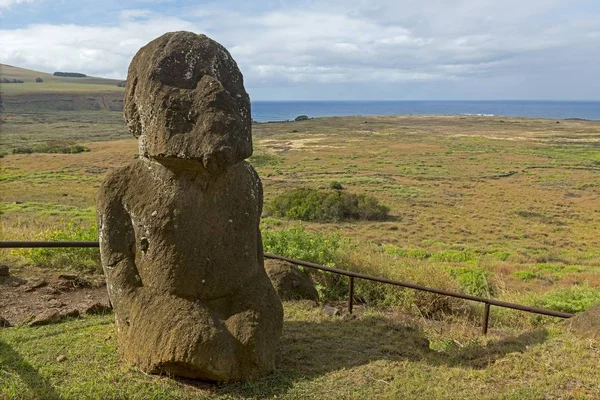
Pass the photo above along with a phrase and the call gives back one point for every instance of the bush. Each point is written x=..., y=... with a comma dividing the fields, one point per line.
x=335, y=251
x=314, y=205
x=573, y=299
x=474, y=281
x=299, y=244
x=312, y=247
x=70, y=74
x=419, y=254
x=301, y=118
x=52, y=147
x=454, y=256
x=6, y=80
x=22, y=150
x=335, y=185
x=372, y=261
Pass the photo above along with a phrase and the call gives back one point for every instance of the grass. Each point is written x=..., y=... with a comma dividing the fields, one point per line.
x=503, y=207
x=86, y=259
x=53, y=83
x=23, y=130
x=441, y=216
x=574, y=299
x=373, y=355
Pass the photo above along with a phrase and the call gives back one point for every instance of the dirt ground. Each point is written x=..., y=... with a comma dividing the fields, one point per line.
x=38, y=296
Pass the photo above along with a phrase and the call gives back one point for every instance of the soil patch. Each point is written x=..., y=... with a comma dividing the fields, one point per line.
x=29, y=293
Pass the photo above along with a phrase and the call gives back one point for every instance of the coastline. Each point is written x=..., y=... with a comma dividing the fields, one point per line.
x=281, y=111
x=572, y=119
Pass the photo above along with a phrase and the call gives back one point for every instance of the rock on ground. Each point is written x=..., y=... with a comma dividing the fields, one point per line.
x=587, y=324
x=290, y=282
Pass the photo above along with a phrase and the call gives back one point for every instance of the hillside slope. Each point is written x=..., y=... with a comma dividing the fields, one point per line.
x=57, y=93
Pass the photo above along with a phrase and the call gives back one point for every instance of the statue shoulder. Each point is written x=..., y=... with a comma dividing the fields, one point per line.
x=119, y=181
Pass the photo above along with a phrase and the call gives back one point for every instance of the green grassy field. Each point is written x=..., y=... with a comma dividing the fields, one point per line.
x=494, y=206
x=373, y=355
x=515, y=197
x=57, y=94
x=53, y=84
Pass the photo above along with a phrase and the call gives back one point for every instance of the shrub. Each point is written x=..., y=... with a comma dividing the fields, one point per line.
x=454, y=256
x=299, y=244
x=52, y=147
x=22, y=150
x=301, y=118
x=527, y=275
x=335, y=185
x=334, y=251
x=409, y=253
x=314, y=205
x=573, y=299
x=70, y=74
x=6, y=80
x=372, y=261
x=474, y=281
x=321, y=249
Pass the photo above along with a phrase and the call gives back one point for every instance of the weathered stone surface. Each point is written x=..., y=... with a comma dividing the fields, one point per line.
x=331, y=311
x=586, y=324
x=179, y=227
x=4, y=323
x=98, y=309
x=47, y=317
x=289, y=282
x=35, y=284
x=53, y=315
x=185, y=99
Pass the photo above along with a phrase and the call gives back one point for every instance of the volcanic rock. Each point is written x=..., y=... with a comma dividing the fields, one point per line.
x=290, y=282
x=179, y=226
x=587, y=324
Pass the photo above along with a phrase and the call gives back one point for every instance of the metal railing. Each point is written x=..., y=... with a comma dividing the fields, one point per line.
x=352, y=275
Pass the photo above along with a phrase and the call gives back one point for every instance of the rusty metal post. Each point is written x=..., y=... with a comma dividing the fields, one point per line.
x=486, y=318
x=351, y=295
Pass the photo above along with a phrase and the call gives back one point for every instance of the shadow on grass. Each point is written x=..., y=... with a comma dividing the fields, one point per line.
x=479, y=357
x=311, y=349
x=12, y=362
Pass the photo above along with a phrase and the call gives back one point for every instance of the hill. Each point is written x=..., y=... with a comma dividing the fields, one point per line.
x=57, y=93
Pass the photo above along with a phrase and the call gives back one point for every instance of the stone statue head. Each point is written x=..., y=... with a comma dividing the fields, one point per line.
x=185, y=100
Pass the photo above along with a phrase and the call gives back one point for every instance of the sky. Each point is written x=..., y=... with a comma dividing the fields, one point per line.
x=333, y=49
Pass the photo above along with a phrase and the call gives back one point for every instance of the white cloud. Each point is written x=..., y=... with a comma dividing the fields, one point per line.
x=96, y=51
x=10, y=3
x=341, y=41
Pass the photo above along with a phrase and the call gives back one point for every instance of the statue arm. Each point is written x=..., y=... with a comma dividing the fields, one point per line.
x=117, y=243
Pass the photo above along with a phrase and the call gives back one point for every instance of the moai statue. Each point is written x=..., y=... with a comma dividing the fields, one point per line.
x=179, y=226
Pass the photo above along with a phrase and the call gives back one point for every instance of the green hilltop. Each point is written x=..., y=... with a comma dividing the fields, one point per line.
x=57, y=93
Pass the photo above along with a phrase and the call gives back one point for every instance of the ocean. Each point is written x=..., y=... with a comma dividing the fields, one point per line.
x=264, y=111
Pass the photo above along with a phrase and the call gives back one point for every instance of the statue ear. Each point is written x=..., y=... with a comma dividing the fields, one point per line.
x=130, y=109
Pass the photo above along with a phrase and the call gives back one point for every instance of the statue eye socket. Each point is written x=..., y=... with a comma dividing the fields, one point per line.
x=144, y=244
